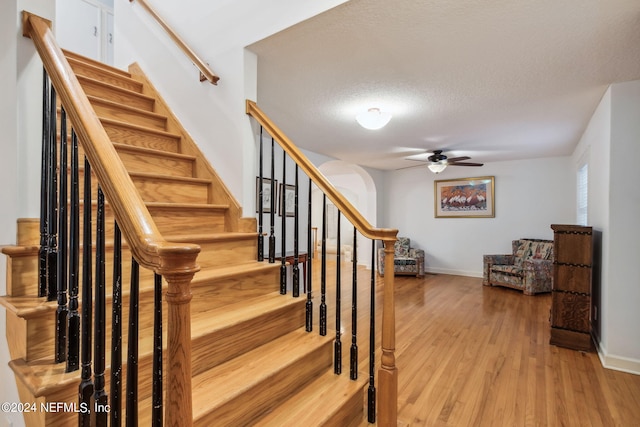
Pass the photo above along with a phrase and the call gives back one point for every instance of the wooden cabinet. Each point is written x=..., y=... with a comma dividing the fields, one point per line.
x=571, y=286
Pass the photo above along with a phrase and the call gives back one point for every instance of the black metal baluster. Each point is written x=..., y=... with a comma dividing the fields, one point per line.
x=260, y=207
x=73, y=320
x=100, y=395
x=116, y=331
x=323, y=270
x=157, y=353
x=353, y=371
x=283, y=242
x=272, y=211
x=62, y=311
x=52, y=246
x=337, y=345
x=86, y=388
x=371, y=395
x=132, y=352
x=295, y=270
x=310, y=251
x=44, y=190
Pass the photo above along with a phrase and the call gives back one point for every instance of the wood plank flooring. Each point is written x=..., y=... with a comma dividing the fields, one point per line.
x=470, y=355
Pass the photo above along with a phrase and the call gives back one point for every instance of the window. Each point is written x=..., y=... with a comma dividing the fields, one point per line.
x=582, y=190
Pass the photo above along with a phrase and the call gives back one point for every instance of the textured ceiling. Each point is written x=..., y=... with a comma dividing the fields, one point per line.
x=493, y=79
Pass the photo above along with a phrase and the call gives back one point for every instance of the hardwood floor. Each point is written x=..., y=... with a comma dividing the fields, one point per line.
x=470, y=355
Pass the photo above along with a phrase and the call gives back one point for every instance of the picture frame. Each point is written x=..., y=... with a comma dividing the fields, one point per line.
x=465, y=197
x=266, y=194
x=286, y=201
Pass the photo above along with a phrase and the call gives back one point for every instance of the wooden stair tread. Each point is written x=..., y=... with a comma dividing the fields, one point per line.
x=126, y=92
x=169, y=177
x=139, y=128
x=241, y=373
x=153, y=152
x=43, y=376
x=97, y=64
x=305, y=410
x=138, y=111
x=31, y=306
x=226, y=236
x=28, y=250
x=218, y=273
x=119, y=77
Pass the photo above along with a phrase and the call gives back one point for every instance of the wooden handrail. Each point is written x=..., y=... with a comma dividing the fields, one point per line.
x=346, y=208
x=388, y=373
x=176, y=262
x=205, y=71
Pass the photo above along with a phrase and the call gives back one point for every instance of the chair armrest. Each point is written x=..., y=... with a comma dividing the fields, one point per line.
x=416, y=253
x=537, y=275
x=489, y=260
x=502, y=259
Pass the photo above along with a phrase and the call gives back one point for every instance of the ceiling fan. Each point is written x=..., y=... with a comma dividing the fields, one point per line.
x=438, y=161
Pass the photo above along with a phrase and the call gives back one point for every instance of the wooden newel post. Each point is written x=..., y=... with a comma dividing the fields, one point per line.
x=178, y=407
x=388, y=373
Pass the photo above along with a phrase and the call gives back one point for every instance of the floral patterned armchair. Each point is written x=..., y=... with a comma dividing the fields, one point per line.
x=529, y=268
x=406, y=260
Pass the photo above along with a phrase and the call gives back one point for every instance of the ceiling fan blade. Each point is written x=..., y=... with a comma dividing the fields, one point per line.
x=465, y=164
x=409, y=167
x=458, y=159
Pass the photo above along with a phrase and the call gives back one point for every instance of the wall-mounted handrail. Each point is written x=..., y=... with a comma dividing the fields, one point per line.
x=205, y=72
x=388, y=373
x=176, y=262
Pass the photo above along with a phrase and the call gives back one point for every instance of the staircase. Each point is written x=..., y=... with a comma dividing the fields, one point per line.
x=252, y=361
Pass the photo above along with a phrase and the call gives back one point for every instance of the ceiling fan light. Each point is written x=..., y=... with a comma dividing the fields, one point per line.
x=437, y=167
x=373, y=119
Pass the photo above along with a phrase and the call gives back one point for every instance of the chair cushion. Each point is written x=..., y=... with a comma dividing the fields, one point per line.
x=401, y=247
x=511, y=270
x=531, y=249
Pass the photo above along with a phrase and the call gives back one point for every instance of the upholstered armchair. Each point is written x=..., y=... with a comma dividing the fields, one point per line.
x=528, y=268
x=406, y=260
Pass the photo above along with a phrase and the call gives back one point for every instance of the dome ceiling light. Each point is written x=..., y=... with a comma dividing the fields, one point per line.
x=373, y=119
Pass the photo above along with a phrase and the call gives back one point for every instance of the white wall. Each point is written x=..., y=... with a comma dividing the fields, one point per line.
x=622, y=289
x=529, y=196
x=20, y=121
x=594, y=144
x=214, y=115
x=611, y=143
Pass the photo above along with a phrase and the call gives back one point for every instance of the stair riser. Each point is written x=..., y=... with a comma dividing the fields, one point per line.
x=184, y=221
x=136, y=117
x=212, y=294
x=156, y=163
x=147, y=162
x=216, y=348
x=170, y=191
x=247, y=407
x=222, y=254
x=84, y=69
x=139, y=138
x=115, y=94
x=161, y=189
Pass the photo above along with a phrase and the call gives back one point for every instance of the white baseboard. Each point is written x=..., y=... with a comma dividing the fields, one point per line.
x=617, y=363
x=453, y=272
